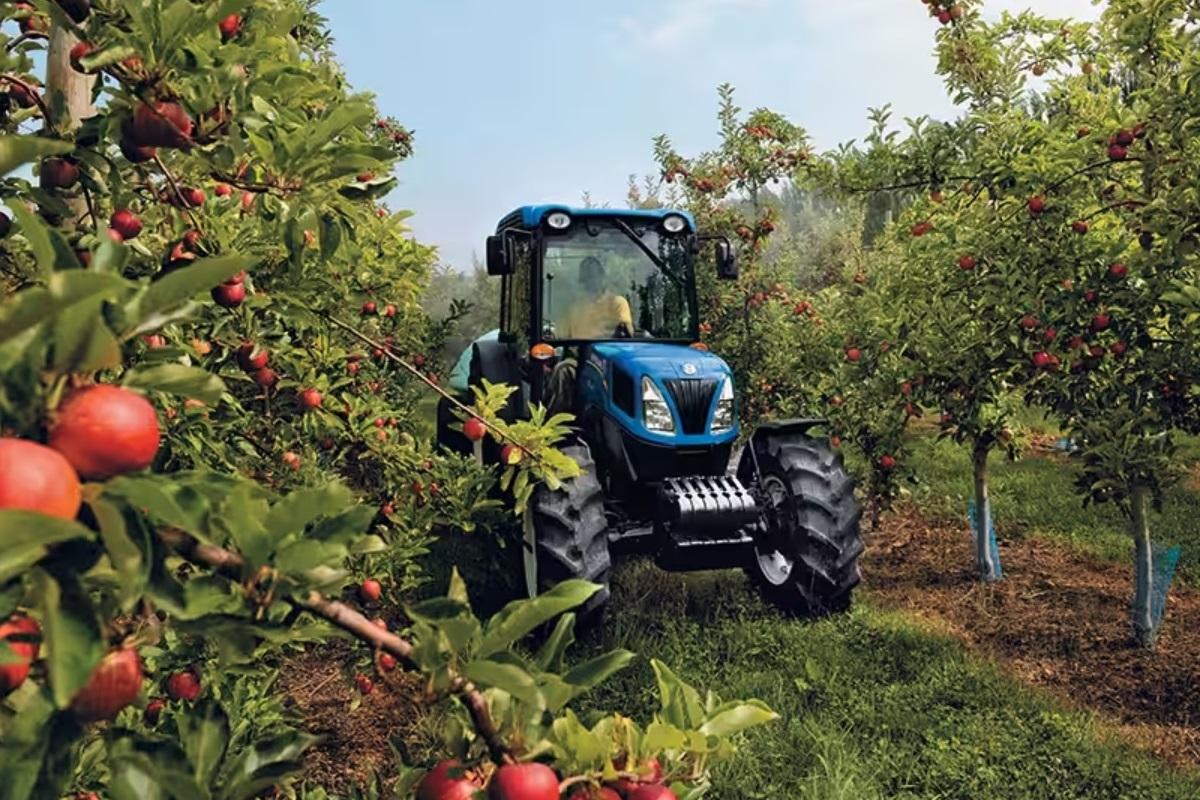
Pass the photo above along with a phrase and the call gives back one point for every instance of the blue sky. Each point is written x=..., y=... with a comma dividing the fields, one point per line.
x=521, y=102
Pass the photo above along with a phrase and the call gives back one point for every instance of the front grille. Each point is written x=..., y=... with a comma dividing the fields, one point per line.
x=693, y=398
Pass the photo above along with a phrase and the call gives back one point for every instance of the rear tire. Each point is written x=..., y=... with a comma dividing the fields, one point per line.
x=805, y=557
x=566, y=536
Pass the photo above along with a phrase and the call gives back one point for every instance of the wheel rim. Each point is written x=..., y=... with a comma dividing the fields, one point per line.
x=775, y=565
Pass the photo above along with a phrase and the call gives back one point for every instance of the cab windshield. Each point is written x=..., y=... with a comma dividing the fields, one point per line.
x=598, y=283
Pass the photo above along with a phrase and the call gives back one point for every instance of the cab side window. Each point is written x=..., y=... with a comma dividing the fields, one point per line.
x=516, y=299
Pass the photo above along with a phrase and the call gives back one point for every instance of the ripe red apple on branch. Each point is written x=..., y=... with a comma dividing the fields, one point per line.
x=22, y=635
x=114, y=684
x=34, y=477
x=106, y=430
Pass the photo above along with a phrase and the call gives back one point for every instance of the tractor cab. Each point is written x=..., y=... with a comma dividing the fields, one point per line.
x=599, y=318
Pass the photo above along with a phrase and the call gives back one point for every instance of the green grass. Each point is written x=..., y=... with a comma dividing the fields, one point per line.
x=872, y=706
x=1034, y=496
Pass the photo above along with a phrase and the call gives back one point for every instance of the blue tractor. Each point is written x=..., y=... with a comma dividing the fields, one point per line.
x=599, y=318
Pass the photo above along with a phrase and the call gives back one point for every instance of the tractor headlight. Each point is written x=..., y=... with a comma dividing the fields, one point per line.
x=559, y=221
x=723, y=418
x=656, y=414
x=674, y=223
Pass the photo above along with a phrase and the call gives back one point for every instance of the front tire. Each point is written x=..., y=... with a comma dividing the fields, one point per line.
x=805, y=557
x=566, y=536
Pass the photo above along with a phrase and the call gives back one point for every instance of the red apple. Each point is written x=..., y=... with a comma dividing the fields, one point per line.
x=34, y=477
x=59, y=173
x=310, y=399
x=113, y=685
x=369, y=308
x=1117, y=153
x=1118, y=348
x=887, y=462
x=389, y=310
x=251, y=357
x=653, y=792
x=449, y=780
x=230, y=26
x=1080, y=226
x=105, y=431
x=161, y=124
x=510, y=455
x=265, y=377
x=364, y=684
x=387, y=662
x=1029, y=322
x=474, y=429
x=291, y=460
x=531, y=781
x=1041, y=360
x=1118, y=271
x=967, y=263
x=222, y=190
x=1101, y=322
x=154, y=710
x=229, y=295
x=1036, y=205
x=370, y=590
x=853, y=354
x=22, y=635
x=77, y=53
x=126, y=223
x=183, y=686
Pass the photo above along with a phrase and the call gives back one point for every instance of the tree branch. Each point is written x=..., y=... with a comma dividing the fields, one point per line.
x=232, y=566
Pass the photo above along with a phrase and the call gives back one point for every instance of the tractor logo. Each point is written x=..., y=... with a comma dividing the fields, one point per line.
x=689, y=369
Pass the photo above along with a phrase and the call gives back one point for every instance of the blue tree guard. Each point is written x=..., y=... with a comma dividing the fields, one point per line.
x=993, y=547
x=1163, y=562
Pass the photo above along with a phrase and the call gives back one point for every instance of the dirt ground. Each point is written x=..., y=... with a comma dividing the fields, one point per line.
x=357, y=743
x=1058, y=620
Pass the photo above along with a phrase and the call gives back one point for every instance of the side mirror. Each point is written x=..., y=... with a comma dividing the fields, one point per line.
x=498, y=262
x=727, y=269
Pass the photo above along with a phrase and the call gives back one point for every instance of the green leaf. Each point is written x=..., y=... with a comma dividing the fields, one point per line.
x=24, y=745
x=595, y=671
x=123, y=553
x=50, y=249
x=73, y=644
x=242, y=517
x=105, y=56
x=204, y=733
x=82, y=341
x=506, y=677
x=298, y=509
x=550, y=657
x=458, y=589
x=183, y=284
x=16, y=150
x=177, y=379
x=681, y=704
x=520, y=617
x=28, y=537
x=738, y=717
x=368, y=190
x=264, y=764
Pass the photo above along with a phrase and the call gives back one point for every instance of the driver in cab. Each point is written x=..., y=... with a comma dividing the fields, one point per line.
x=600, y=314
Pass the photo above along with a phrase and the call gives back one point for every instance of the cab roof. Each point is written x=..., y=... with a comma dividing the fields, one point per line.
x=532, y=216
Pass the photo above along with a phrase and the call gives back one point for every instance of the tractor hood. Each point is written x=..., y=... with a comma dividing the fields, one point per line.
x=662, y=361
x=689, y=380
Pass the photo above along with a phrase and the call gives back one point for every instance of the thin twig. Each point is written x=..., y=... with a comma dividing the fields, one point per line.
x=32, y=92
x=232, y=566
x=183, y=203
x=387, y=351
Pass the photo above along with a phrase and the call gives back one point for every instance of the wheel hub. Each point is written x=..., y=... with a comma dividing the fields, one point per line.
x=773, y=562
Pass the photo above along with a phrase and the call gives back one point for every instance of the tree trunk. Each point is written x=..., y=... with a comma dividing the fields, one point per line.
x=989, y=570
x=68, y=92
x=69, y=99
x=1144, y=629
